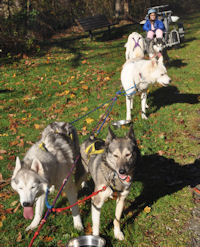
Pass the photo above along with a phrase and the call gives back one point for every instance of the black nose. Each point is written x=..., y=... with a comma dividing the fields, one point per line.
x=122, y=171
x=26, y=204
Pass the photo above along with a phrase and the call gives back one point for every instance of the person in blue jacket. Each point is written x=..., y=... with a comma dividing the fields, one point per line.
x=153, y=26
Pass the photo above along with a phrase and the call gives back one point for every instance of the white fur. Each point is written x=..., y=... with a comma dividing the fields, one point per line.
x=142, y=73
x=133, y=52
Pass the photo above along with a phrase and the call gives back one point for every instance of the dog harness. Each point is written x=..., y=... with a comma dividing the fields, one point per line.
x=137, y=43
x=91, y=149
x=42, y=146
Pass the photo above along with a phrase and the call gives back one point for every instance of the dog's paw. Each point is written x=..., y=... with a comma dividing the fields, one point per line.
x=78, y=226
x=31, y=227
x=119, y=235
x=144, y=116
x=146, y=106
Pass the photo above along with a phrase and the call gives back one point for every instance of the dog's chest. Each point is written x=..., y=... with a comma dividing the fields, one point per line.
x=116, y=184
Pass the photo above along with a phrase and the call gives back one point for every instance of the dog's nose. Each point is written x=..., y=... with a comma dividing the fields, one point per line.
x=122, y=171
x=26, y=204
x=170, y=80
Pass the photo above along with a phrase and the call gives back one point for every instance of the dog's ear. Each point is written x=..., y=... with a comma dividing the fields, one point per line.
x=110, y=136
x=160, y=60
x=17, y=167
x=131, y=134
x=37, y=167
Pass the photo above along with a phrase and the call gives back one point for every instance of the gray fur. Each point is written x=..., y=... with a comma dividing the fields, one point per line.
x=120, y=153
x=46, y=164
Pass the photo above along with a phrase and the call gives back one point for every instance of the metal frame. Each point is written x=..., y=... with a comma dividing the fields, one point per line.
x=171, y=37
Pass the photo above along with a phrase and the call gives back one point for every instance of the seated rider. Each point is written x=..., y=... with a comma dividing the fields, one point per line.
x=153, y=26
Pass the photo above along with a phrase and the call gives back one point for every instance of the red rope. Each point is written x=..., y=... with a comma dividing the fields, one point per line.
x=43, y=221
x=79, y=201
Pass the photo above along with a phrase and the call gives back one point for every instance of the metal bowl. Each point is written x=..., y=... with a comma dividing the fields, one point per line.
x=120, y=123
x=87, y=241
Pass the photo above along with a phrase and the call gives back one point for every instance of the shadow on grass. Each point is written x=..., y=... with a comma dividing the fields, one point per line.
x=170, y=95
x=5, y=91
x=161, y=176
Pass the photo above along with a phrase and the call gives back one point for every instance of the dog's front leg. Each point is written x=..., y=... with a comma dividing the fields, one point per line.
x=97, y=203
x=72, y=197
x=39, y=207
x=128, y=107
x=144, y=104
x=118, y=212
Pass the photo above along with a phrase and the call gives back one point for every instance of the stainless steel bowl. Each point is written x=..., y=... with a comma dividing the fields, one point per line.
x=87, y=241
x=120, y=123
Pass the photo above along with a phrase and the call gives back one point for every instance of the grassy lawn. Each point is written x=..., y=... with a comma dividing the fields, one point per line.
x=72, y=75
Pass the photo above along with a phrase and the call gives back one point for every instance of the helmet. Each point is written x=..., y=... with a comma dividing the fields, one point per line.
x=151, y=11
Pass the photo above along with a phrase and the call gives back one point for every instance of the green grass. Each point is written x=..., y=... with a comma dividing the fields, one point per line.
x=73, y=73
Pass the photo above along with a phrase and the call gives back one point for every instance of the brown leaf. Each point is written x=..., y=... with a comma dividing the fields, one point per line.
x=19, y=237
x=88, y=229
x=3, y=151
x=13, y=143
x=48, y=239
x=84, y=108
x=1, y=157
x=36, y=126
x=15, y=210
x=1, y=177
x=160, y=152
x=147, y=209
x=84, y=61
x=85, y=87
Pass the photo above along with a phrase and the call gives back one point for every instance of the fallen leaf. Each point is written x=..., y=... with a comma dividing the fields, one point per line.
x=160, y=152
x=147, y=209
x=88, y=229
x=18, y=205
x=1, y=157
x=1, y=177
x=36, y=126
x=89, y=120
x=84, y=108
x=13, y=203
x=85, y=87
x=19, y=237
x=72, y=95
x=3, y=151
x=48, y=239
x=107, y=78
x=13, y=143
x=84, y=61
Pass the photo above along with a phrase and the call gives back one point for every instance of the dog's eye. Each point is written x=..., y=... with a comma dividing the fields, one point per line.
x=115, y=155
x=33, y=187
x=128, y=155
x=20, y=188
x=162, y=74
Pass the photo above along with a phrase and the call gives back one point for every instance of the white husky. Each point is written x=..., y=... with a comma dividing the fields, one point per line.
x=46, y=164
x=137, y=75
x=134, y=46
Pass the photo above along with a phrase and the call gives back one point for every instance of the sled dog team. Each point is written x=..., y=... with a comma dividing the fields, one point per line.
x=49, y=160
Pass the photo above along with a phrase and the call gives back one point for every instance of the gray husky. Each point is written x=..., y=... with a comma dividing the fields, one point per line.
x=45, y=165
x=154, y=47
x=113, y=168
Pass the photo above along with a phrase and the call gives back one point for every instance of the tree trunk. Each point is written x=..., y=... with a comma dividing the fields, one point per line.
x=118, y=8
x=126, y=8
